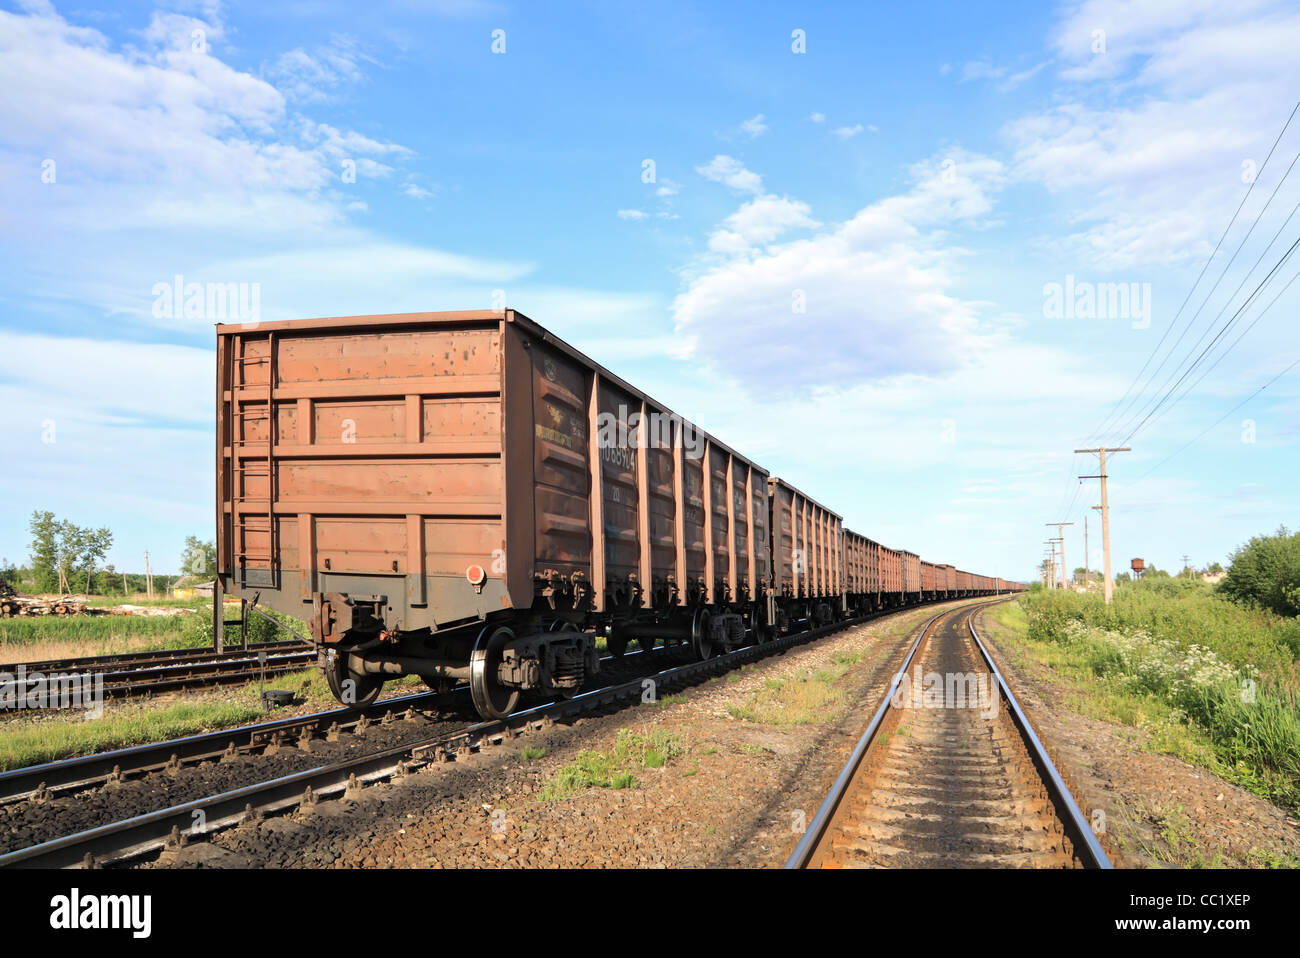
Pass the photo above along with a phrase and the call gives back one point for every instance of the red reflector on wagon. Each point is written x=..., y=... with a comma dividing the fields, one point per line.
x=476, y=575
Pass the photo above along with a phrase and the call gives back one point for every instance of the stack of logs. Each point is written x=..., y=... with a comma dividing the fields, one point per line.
x=12, y=604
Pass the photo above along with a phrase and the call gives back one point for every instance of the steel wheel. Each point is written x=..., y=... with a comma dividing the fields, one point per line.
x=491, y=698
x=351, y=688
x=565, y=693
x=701, y=643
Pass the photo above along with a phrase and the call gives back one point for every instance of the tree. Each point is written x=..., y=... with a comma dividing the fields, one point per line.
x=45, y=551
x=199, y=559
x=65, y=551
x=1266, y=572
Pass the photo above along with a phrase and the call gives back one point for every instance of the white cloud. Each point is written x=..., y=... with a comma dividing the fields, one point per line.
x=759, y=222
x=818, y=117
x=314, y=77
x=847, y=132
x=754, y=127
x=417, y=192
x=873, y=290
x=1147, y=145
x=731, y=172
x=632, y=214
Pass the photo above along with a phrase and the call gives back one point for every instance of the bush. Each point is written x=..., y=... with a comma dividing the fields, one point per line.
x=1228, y=670
x=1265, y=572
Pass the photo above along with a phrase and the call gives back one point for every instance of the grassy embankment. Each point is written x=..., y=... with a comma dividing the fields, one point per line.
x=1204, y=679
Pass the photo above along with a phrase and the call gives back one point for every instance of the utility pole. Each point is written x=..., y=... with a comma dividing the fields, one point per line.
x=1186, y=569
x=1109, y=586
x=1087, y=572
x=148, y=576
x=1051, y=579
x=1059, y=527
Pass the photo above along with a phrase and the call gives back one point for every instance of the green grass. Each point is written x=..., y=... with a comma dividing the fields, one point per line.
x=615, y=769
x=1210, y=682
x=46, y=741
x=531, y=753
x=29, y=630
x=78, y=635
x=807, y=699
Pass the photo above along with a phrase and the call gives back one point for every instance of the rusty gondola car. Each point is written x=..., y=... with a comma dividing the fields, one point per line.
x=423, y=489
x=808, y=579
x=465, y=497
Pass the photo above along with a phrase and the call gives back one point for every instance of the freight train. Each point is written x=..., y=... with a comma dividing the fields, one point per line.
x=465, y=497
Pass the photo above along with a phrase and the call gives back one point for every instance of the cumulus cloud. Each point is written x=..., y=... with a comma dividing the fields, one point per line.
x=872, y=292
x=1166, y=104
x=759, y=222
x=731, y=172
x=847, y=132
x=754, y=127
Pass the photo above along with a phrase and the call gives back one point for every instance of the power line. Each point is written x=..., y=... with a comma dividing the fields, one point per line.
x=1228, y=302
x=1221, y=418
x=1242, y=335
x=1200, y=276
x=1198, y=359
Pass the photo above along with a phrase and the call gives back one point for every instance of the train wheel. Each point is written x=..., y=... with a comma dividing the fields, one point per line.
x=701, y=642
x=491, y=698
x=566, y=692
x=616, y=644
x=351, y=688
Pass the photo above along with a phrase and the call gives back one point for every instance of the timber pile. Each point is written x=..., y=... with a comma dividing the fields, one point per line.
x=17, y=605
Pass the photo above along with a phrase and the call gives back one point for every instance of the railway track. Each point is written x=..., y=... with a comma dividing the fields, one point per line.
x=949, y=774
x=140, y=835
x=171, y=670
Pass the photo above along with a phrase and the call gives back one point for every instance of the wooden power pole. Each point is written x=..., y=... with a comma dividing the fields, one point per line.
x=1109, y=585
x=1061, y=539
x=1087, y=572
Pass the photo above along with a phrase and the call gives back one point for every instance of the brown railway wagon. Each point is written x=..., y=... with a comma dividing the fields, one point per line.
x=891, y=574
x=424, y=487
x=965, y=583
x=807, y=557
x=928, y=578
x=862, y=565
x=911, y=573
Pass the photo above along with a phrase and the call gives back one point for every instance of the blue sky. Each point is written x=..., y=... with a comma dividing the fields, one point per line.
x=918, y=178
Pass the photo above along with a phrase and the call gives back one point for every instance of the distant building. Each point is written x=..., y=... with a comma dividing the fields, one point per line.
x=188, y=587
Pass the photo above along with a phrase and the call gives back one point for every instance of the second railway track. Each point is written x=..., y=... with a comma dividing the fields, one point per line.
x=135, y=674
x=146, y=832
x=949, y=774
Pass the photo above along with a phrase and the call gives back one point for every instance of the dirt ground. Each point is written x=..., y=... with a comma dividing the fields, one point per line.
x=740, y=790
x=737, y=796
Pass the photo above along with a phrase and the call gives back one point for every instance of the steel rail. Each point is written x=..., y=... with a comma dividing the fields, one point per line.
x=1085, y=842
x=1082, y=836
x=816, y=829
x=153, y=657
x=151, y=832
